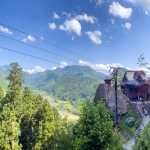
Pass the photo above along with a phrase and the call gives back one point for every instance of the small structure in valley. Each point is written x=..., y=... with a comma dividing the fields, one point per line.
x=134, y=85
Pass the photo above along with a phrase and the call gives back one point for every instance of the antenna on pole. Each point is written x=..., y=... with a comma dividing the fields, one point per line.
x=115, y=73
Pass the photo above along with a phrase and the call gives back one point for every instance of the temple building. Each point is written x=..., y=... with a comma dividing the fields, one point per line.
x=134, y=85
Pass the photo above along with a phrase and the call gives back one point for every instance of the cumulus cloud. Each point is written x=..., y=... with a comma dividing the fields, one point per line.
x=67, y=14
x=63, y=64
x=95, y=36
x=126, y=25
x=86, y=18
x=100, y=67
x=29, y=38
x=56, y=16
x=117, y=10
x=72, y=25
x=53, y=68
x=5, y=30
x=52, y=26
x=35, y=70
x=143, y=3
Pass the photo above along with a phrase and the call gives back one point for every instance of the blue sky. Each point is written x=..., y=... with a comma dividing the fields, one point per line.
x=106, y=31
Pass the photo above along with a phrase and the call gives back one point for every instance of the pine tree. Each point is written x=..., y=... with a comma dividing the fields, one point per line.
x=12, y=110
x=43, y=127
x=15, y=81
x=9, y=130
x=25, y=124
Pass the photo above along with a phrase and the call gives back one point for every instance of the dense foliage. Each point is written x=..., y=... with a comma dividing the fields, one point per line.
x=143, y=141
x=94, y=129
x=28, y=122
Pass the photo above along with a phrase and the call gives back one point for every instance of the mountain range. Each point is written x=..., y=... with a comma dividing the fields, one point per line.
x=68, y=83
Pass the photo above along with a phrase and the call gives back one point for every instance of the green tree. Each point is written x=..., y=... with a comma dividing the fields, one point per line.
x=1, y=98
x=9, y=130
x=43, y=127
x=15, y=81
x=11, y=112
x=143, y=142
x=1, y=93
x=94, y=129
x=63, y=137
x=28, y=115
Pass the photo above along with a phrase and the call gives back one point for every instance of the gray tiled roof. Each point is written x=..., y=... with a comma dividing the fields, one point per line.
x=131, y=78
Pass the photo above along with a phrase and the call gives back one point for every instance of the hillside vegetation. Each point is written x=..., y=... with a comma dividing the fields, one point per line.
x=28, y=121
x=69, y=83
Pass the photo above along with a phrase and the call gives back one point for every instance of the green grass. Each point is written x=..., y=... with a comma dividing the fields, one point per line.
x=122, y=124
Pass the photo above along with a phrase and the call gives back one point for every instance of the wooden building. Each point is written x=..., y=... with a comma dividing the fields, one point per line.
x=134, y=85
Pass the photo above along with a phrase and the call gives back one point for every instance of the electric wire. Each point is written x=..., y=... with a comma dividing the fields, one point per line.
x=48, y=42
x=37, y=47
x=8, y=49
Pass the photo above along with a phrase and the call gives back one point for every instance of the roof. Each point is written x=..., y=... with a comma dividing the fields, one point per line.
x=136, y=78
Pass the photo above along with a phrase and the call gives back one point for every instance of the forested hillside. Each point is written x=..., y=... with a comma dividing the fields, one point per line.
x=69, y=83
x=28, y=122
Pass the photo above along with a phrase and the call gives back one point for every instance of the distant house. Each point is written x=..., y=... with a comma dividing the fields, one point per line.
x=134, y=85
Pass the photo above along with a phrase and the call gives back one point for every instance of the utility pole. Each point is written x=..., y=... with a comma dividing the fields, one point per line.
x=114, y=73
x=116, y=98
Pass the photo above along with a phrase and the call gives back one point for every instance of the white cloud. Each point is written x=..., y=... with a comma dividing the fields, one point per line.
x=63, y=64
x=94, y=36
x=71, y=26
x=53, y=68
x=55, y=16
x=117, y=10
x=86, y=18
x=67, y=14
x=127, y=25
x=35, y=70
x=143, y=3
x=52, y=26
x=29, y=38
x=99, y=2
x=5, y=30
x=0, y=50
x=100, y=67
x=72, y=38
x=112, y=21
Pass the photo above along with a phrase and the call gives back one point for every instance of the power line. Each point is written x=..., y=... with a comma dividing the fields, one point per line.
x=37, y=48
x=31, y=56
x=47, y=42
